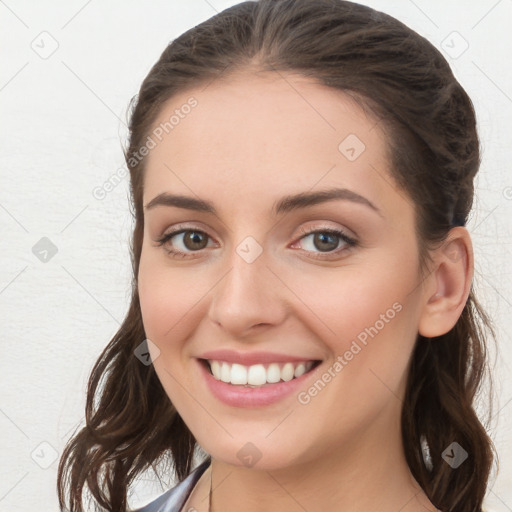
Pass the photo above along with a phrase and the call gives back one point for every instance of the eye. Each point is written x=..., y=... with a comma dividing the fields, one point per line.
x=187, y=241
x=184, y=242
x=327, y=241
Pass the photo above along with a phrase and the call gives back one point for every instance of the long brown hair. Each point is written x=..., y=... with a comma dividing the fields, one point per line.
x=405, y=83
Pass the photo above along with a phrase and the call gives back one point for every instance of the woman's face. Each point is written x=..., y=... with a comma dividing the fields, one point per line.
x=261, y=272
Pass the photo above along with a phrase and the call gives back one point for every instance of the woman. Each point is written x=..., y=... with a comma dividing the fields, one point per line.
x=302, y=308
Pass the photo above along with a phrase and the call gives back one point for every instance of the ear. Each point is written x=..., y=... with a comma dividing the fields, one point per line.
x=448, y=285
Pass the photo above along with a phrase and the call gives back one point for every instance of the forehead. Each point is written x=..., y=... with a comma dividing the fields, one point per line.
x=260, y=133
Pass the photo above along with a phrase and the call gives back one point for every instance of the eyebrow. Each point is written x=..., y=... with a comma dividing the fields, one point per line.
x=284, y=205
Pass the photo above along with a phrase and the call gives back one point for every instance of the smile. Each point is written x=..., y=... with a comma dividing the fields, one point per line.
x=275, y=380
x=258, y=375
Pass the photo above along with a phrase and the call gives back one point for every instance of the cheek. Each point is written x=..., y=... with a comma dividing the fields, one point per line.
x=166, y=297
x=368, y=317
x=374, y=324
x=169, y=299
x=348, y=301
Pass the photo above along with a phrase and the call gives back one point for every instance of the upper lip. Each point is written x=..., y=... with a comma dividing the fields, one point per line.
x=250, y=358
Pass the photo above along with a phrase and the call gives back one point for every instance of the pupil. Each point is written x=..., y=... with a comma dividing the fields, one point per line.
x=194, y=238
x=324, y=237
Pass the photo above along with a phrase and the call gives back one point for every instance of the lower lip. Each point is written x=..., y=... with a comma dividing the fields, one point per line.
x=240, y=396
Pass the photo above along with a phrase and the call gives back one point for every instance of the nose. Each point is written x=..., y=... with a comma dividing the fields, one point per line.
x=249, y=297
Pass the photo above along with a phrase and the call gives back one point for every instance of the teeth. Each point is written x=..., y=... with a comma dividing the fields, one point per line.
x=287, y=372
x=273, y=373
x=238, y=374
x=225, y=373
x=257, y=374
x=300, y=370
x=215, y=368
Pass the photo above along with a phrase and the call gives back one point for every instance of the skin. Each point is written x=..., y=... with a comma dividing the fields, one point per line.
x=252, y=139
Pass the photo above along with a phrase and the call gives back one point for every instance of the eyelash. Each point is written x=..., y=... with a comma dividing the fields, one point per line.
x=351, y=242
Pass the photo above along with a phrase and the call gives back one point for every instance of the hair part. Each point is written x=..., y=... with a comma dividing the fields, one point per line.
x=404, y=82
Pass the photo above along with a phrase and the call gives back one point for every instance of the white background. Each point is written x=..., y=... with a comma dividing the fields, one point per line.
x=63, y=120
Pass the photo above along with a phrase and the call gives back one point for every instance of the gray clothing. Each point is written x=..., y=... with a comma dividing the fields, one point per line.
x=174, y=499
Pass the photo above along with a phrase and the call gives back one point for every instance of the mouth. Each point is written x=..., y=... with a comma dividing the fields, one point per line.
x=257, y=375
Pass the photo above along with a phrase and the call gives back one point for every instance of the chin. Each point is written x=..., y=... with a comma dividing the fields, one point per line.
x=255, y=450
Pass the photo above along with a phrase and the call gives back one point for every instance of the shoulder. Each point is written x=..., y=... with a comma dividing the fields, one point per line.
x=174, y=499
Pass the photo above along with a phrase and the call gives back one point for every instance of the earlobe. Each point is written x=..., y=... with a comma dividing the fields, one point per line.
x=451, y=282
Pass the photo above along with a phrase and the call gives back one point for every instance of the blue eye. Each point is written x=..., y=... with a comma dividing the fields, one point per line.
x=327, y=241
